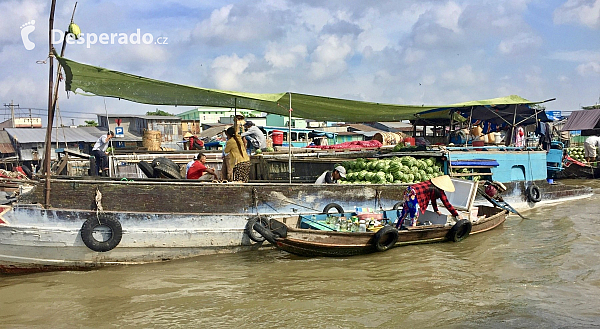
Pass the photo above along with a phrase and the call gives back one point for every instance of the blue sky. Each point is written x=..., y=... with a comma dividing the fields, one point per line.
x=407, y=52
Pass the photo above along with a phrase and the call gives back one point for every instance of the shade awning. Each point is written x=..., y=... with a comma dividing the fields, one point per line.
x=83, y=78
x=582, y=120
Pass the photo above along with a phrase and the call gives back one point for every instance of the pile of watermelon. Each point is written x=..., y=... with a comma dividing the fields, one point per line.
x=576, y=153
x=403, y=170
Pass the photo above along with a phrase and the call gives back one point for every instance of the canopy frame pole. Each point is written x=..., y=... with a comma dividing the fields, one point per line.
x=529, y=117
x=451, y=126
x=290, y=140
x=498, y=115
x=470, y=126
x=514, y=123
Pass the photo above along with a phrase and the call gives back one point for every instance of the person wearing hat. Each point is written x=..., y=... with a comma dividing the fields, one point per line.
x=332, y=177
x=254, y=137
x=431, y=190
x=199, y=170
x=99, y=152
x=194, y=143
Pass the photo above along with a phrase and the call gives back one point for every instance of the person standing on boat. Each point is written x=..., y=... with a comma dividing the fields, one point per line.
x=199, y=170
x=238, y=158
x=255, y=139
x=332, y=177
x=410, y=208
x=194, y=143
x=589, y=146
x=99, y=152
x=432, y=190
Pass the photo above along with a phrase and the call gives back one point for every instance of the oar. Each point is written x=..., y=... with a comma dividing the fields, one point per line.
x=502, y=204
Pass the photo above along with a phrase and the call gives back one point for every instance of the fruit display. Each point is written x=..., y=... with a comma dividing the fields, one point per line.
x=397, y=170
x=576, y=153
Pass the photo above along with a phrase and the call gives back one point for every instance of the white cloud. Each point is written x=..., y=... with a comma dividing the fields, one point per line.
x=329, y=58
x=583, y=12
x=282, y=57
x=589, y=69
x=576, y=56
x=520, y=44
x=463, y=76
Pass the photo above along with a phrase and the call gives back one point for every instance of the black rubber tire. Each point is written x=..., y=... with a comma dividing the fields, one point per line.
x=265, y=232
x=460, y=230
x=385, y=238
x=165, y=162
x=252, y=234
x=533, y=193
x=167, y=171
x=147, y=169
x=336, y=206
x=87, y=236
x=27, y=171
x=398, y=205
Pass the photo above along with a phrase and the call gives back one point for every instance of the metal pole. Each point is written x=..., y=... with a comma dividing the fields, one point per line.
x=470, y=123
x=290, y=139
x=50, y=106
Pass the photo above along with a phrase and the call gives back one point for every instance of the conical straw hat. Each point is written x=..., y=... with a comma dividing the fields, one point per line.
x=443, y=183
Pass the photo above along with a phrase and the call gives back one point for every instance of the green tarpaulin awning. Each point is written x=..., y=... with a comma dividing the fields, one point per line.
x=103, y=82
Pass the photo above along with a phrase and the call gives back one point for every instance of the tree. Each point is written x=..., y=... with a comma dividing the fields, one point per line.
x=90, y=123
x=160, y=112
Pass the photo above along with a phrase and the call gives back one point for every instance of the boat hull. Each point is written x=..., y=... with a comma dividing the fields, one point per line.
x=316, y=243
x=34, y=239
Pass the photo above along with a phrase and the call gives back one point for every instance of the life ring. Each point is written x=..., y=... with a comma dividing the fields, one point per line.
x=87, y=230
x=385, y=238
x=460, y=230
x=533, y=193
x=337, y=207
x=265, y=232
x=252, y=234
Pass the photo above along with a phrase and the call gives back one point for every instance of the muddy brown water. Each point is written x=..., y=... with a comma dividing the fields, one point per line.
x=542, y=272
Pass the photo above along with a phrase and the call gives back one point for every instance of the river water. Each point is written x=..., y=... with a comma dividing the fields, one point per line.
x=543, y=271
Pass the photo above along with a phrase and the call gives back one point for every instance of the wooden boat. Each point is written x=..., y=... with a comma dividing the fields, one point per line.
x=312, y=242
x=575, y=169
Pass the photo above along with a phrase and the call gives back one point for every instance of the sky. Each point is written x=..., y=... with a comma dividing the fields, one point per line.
x=400, y=52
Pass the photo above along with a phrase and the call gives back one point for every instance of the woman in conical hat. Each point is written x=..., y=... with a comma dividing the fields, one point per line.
x=432, y=190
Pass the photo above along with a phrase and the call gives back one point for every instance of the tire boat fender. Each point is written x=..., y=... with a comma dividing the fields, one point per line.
x=87, y=230
x=533, y=193
x=385, y=238
x=460, y=230
x=249, y=229
x=265, y=232
x=336, y=206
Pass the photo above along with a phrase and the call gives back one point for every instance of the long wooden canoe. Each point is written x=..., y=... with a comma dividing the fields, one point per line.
x=311, y=242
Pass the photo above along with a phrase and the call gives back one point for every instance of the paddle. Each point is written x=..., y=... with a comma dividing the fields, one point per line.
x=501, y=204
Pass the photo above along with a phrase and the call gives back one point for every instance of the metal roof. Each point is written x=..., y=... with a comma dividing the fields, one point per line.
x=147, y=117
x=38, y=135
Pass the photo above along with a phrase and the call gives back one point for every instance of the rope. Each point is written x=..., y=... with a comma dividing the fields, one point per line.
x=99, y=208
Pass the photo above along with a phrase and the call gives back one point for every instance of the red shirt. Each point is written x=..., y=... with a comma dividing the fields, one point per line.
x=196, y=170
x=424, y=196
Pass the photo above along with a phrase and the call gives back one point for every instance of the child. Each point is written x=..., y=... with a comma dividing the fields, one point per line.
x=410, y=208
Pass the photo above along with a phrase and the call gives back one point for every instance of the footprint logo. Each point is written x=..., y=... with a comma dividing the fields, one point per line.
x=26, y=29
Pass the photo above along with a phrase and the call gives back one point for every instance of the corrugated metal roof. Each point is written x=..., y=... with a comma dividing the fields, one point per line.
x=6, y=148
x=147, y=117
x=4, y=138
x=38, y=135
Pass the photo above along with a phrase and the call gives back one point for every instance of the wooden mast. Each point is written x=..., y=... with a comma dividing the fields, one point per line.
x=50, y=105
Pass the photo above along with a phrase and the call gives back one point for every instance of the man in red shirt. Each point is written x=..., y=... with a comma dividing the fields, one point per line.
x=199, y=169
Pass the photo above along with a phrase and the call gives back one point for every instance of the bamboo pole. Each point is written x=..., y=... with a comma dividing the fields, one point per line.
x=50, y=105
